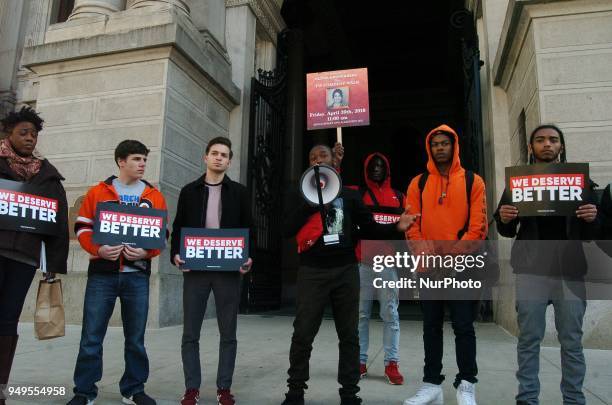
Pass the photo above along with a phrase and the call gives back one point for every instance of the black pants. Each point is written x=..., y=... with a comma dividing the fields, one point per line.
x=316, y=287
x=197, y=286
x=463, y=314
x=15, y=281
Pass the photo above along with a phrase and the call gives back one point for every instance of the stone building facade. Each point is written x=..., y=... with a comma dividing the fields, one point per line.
x=171, y=73
x=546, y=61
x=175, y=73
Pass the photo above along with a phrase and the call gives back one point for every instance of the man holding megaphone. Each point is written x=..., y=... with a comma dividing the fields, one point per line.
x=324, y=223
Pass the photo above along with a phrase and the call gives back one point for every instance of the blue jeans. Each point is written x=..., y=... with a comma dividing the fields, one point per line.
x=534, y=294
x=388, y=299
x=100, y=296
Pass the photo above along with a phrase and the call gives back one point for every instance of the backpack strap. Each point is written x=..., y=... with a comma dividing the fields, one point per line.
x=469, y=182
x=422, y=182
x=400, y=197
x=367, y=190
x=398, y=194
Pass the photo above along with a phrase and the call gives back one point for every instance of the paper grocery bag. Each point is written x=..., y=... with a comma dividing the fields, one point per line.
x=49, y=318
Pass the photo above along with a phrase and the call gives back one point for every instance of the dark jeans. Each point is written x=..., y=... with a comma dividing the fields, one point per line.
x=197, y=286
x=100, y=296
x=463, y=314
x=316, y=287
x=15, y=281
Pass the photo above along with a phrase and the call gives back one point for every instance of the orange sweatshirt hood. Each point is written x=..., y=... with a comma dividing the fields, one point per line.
x=444, y=209
x=456, y=163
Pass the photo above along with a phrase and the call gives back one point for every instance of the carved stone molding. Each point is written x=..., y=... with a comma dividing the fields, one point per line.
x=267, y=13
x=94, y=8
x=179, y=4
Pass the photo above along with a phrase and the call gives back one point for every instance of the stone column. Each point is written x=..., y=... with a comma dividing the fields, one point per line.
x=39, y=12
x=94, y=8
x=182, y=5
x=240, y=33
x=209, y=15
x=10, y=20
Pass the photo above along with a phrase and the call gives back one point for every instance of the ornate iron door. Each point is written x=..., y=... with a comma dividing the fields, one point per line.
x=266, y=171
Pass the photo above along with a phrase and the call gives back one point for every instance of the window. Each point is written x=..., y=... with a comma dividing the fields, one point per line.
x=61, y=11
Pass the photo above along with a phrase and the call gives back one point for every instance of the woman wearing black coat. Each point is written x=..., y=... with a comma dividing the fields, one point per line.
x=20, y=251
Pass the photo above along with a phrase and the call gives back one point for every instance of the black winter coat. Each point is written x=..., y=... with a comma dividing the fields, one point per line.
x=49, y=182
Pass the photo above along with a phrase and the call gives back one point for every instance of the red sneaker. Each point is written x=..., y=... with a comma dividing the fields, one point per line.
x=393, y=374
x=363, y=370
x=225, y=398
x=191, y=397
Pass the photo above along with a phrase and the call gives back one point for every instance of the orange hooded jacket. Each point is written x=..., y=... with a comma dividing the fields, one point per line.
x=442, y=218
x=83, y=227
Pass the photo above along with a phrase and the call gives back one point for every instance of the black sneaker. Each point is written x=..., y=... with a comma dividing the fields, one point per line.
x=294, y=398
x=139, y=399
x=521, y=403
x=80, y=400
x=354, y=400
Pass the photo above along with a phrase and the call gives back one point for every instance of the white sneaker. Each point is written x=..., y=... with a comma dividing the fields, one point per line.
x=466, y=393
x=428, y=394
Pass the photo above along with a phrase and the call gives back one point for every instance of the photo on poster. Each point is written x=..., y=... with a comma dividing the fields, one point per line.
x=337, y=97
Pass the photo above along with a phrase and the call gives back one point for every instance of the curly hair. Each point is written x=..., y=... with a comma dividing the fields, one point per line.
x=26, y=114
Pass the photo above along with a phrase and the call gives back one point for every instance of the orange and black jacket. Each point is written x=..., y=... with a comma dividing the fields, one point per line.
x=105, y=192
x=445, y=206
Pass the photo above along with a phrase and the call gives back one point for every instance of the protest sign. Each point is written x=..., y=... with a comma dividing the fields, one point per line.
x=337, y=99
x=23, y=208
x=548, y=189
x=138, y=227
x=214, y=249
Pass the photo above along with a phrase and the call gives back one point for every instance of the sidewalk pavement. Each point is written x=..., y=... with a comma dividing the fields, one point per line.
x=262, y=362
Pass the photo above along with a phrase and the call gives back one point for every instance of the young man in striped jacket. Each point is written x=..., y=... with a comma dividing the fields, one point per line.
x=116, y=272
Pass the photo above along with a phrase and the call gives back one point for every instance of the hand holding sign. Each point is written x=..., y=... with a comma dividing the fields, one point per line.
x=178, y=263
x=338, y=152
x=587, y=212
x=110, y=252
x=245, y=268
x=133, y=254
x=508, y=213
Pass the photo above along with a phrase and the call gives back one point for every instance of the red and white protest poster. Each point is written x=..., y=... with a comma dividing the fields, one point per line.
x=548, y=189
x=22, y=208
x=214, y=249
x=337, y=99
x=135, y=226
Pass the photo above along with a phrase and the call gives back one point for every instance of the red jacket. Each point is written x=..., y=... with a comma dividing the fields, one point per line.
x=83, y=227
x=388, y=210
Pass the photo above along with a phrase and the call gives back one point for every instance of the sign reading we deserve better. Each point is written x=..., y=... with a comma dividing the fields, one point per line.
x=214, y=249
x=337, y=99
x=548, y=189
x=138, y=227
x=22, y=208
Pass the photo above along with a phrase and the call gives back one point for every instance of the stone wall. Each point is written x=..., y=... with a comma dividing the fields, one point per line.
x=549, y=66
